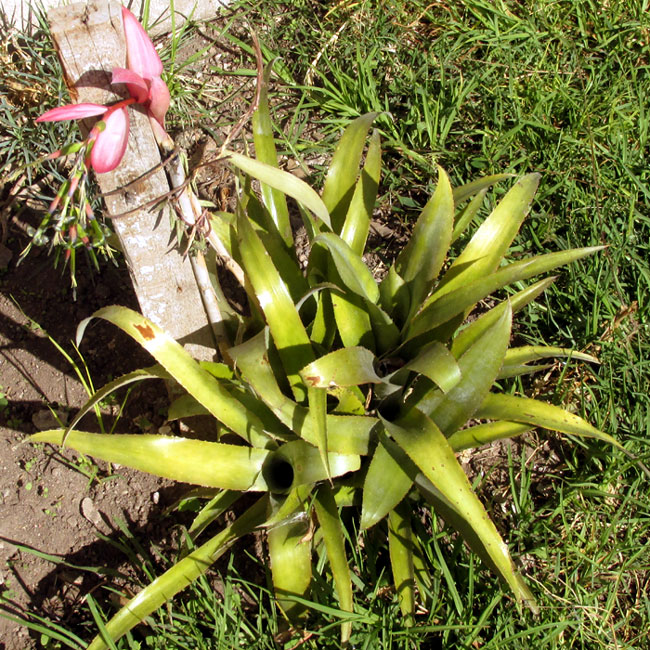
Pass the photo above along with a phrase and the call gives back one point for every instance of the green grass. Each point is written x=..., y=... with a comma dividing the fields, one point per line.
x=478, y=87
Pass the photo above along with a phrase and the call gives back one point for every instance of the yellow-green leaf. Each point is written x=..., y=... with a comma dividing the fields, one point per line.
x=207, y=390
x=497, y=406
x=491, y=241
x=212, y=464
x=183, y=573
x=357, y=221
x=343, y=170
x=287, y=330
x=284, y=182
x=345, y=367
x=274, y=199
x=400, y=548
x=428, y=448
x=387, y=482
x=330, y=525
x=419, y=263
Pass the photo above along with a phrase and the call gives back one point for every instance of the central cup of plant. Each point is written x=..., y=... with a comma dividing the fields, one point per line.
x=338, y=391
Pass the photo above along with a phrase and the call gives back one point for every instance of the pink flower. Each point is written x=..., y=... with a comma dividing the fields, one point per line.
x=142, y=77
x=108, y=138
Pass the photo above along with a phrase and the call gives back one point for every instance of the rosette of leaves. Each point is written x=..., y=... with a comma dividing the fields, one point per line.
x=343, y=391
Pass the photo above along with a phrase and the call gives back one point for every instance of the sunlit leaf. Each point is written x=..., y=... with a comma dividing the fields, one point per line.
x=422, y=258
x=183, y=573
x=289, y=548
x=287, y=330
x=474, y=187
x=274, y=199
x=483, y=434
x=400, y=547
x=491, y=241
x=332, y=529
x=444, y=305
x=387, y=482
x=345, y=367
x=490, y=548
x=479, y=367
x=476, y=328
x=497, y=406
x=342, y=173
x=212, y=464
x=284, y=182
x=357, y=220
x=353, y=271
x=429, y=450
x=186, y=371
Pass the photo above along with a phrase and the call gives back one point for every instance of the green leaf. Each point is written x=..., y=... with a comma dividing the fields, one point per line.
x=387, y=482
x=345, y=434
x=344, y=367
x=183, y=573
x=283, y=257
x=357, y=221
x=476, y=329
x=497, y=406
x=352, y=320
x=427, y=447
x=207, y=390
x=214, y=508
x=354, y=273
x=212, y=464
x=289, y=548
x=305, y=461
x=485, y=546
x=474, y=187
x=318, y=414
x=400, y=547
x=394, y=296
x=439, y=365
x=420, y=262
x=154, y=372
x=443, y=306
x=491, y=241
x=332, y=529
x=528, y=353
x=185, y=406
x=287, y=330
x=483, y=434
x=265, y=151
x=467, y=216
x=479, y=367
x=282, y=181
x=343, y=170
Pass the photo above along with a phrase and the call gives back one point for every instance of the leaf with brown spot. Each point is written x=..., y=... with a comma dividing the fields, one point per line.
x=146, y=331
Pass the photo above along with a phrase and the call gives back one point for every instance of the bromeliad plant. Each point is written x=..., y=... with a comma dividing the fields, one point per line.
x=343, y=391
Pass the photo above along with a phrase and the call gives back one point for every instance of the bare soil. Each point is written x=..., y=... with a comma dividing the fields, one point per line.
x=58, y=503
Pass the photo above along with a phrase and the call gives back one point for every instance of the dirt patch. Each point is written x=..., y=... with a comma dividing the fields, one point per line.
x=61, y=503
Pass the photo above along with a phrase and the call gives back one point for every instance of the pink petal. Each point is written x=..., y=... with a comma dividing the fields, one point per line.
x=159, y=96
x=110, y=144
x=135, y=83
x=141, y=55
x=72, y=112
